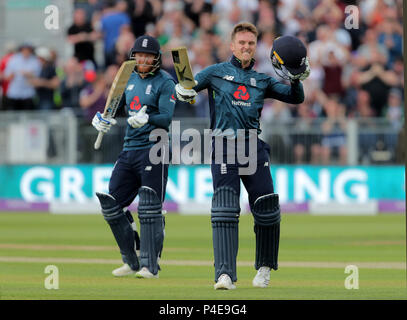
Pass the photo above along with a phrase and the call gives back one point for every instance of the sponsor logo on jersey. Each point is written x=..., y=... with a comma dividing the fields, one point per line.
x=241, y=103
x=241, y=93
x=135, y=104
x=229, y=78
x=130, y=87
x=172, y=99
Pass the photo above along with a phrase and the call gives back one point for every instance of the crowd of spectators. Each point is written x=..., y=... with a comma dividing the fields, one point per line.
x=357, y=72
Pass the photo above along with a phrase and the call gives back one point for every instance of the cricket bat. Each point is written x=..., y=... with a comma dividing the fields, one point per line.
x=116, y=93
x=183, y=68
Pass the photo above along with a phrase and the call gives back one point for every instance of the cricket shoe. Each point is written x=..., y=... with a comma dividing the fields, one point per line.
x=146, y=274
x=124, y=270
x=224, y=283
x=262, y=278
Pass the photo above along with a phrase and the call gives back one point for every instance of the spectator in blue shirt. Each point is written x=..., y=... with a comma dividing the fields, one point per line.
x=47, y=81
x=391, y=38
x=113, y=19
x=21, y=66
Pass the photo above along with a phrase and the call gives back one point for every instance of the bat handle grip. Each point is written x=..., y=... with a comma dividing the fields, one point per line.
x=99, y=140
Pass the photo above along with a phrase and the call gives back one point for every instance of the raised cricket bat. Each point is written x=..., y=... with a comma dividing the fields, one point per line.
x=183, y=68
x=116, y=93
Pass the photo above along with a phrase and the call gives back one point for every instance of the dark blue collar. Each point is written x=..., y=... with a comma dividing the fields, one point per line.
x=237, y=63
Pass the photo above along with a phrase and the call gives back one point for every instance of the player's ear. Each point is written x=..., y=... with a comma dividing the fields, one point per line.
x=232, y=46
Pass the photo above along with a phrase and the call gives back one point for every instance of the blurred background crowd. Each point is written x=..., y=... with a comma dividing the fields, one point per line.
x=357, y=73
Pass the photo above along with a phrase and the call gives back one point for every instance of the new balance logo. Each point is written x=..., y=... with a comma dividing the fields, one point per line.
x=229, y=78
x=148, y=168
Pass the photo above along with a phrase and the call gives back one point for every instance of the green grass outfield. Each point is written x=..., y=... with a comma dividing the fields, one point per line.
x=314, y=252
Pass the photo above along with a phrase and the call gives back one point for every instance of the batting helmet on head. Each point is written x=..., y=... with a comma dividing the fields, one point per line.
x=289, y=57
x=147, y=44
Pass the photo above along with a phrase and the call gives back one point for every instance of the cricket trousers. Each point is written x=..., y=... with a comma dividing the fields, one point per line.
x=134, y=169
x=227, y=181
x=134, y=174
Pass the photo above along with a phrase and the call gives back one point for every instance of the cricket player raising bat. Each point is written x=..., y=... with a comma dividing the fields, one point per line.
x=236, y=97
x=149, y=100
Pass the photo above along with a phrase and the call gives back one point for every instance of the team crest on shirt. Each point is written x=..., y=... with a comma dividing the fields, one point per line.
x=148, y=89
x=253, y=82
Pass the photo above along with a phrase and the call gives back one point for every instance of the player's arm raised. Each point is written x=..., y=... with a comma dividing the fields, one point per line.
x=202, y=81
x=186, y=95
x=184, y=89
x=293, y=94
x=290, y=61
